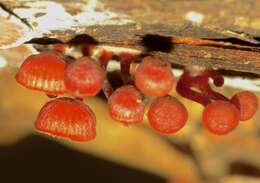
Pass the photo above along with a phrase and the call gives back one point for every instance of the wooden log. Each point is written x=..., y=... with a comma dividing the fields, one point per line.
x=232, y=33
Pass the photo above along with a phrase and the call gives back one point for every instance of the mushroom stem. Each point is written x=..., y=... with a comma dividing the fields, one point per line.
x=195, y=86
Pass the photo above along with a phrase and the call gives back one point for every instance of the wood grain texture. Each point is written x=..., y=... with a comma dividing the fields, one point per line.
x=134, y=19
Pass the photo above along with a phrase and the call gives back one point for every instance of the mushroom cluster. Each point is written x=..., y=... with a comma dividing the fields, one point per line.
x=143, y=77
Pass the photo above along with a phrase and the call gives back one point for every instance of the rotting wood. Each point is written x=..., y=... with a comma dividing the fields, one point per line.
x=171, y=19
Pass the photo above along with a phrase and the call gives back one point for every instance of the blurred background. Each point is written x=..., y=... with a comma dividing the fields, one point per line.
x=119, y=153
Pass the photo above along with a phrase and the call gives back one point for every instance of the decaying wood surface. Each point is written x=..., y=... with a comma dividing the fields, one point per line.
x=232, y=28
